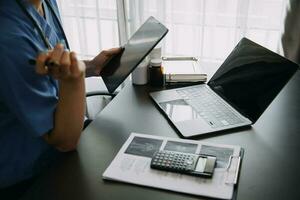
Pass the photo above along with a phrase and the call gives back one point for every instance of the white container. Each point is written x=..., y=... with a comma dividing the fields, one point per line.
x=140, y=74
x=155, y=53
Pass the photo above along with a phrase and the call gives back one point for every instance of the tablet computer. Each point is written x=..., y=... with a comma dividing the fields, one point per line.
x=136, y=49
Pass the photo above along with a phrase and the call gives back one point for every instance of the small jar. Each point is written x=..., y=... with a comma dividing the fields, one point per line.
x=156, y=77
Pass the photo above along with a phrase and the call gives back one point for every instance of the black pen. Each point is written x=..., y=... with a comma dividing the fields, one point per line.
x=48, y=63
x=51, y=63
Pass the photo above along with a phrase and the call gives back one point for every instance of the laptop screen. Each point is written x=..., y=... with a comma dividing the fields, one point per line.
x=136, y=49
x=251, y=77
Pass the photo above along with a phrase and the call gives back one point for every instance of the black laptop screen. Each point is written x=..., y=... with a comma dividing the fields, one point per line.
x=251, y=77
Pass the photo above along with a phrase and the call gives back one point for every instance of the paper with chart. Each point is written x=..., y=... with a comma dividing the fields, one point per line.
x=132, y=165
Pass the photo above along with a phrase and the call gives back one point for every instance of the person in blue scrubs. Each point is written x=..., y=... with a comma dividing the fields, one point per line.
x=41, y=107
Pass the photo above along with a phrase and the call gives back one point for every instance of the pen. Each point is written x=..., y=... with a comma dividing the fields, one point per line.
x=54, y=63
x=47, y=63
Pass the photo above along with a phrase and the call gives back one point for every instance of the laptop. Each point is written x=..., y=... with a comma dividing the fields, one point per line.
x=236, y=96
x=135, y=50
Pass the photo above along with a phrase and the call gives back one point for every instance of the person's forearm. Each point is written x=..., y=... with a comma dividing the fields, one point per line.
x=69, y=115
x=90, y=68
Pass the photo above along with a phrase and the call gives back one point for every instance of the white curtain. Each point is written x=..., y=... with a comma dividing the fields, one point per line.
x=209, y=29
x=90, y=25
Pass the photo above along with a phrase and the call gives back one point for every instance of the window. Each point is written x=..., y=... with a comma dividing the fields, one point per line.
x=90, y=25
x=209, y=29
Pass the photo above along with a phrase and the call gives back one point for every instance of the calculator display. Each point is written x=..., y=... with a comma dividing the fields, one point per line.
x=201, y=164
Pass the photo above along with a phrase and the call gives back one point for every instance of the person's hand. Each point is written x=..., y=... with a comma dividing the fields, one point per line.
x=60, y=64
x=70, y=108
x=95, y=66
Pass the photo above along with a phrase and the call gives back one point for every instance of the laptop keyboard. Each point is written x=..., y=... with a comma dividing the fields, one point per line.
x=209, y=106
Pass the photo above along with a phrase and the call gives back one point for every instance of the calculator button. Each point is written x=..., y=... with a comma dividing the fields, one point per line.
x=189, y=162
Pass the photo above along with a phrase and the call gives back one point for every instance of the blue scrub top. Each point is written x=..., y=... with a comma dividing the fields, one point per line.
x=27, y=100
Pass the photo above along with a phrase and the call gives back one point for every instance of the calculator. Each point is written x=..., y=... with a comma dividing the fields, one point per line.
x=185, y=163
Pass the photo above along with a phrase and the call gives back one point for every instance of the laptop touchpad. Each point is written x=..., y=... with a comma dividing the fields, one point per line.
x=178, y=110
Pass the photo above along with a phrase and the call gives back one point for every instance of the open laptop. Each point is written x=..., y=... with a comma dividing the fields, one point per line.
x=236, y=96
x=135, y=50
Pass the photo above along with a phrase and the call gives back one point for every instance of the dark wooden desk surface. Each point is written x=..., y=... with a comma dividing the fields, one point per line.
x=270, y=168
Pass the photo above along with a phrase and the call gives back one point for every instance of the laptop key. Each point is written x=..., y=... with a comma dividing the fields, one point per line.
x=210, y=109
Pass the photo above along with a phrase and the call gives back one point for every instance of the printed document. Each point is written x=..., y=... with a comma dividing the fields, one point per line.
x=132, y=165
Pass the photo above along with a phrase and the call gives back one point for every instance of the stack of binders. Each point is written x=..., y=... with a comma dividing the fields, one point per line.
x=182, y=70
x=185, y=78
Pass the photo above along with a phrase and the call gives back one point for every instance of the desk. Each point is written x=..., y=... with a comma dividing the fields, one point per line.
x=270, y=168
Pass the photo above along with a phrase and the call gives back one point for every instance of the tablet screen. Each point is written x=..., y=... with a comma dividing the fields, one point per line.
x=136, y=49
